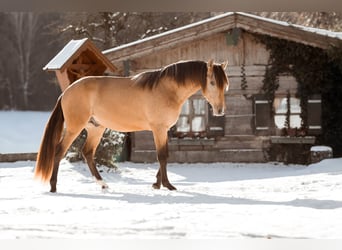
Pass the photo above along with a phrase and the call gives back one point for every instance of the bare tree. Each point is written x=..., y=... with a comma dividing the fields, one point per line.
x=25, y=30
x=109, y=29
x=323, y=20
x=27, y=43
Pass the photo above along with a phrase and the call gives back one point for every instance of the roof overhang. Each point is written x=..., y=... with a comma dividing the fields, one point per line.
x=223, y=23
x=72, y=50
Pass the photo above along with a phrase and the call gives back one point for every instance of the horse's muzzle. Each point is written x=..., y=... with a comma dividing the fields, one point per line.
x=218, y=112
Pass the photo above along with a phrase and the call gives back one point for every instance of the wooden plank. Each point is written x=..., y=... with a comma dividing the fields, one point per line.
x=13, y=157
x=191, y=148
x=238, y=105
x=254, y=83
x=255, y=53
x=256, y=56
x=170, y=39
x=240, y=142
x=249, y=70
x=293, y=140
x=239, y=126
x=143, y=140
x=228, y=155
x=63, y=79
x=187, y=142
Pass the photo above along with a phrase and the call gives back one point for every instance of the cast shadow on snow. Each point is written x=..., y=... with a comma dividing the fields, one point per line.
x=219, y=172
x=192, y=177
x=184, y=197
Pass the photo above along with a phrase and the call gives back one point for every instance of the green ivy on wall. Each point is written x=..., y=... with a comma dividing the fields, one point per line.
x=317, y=71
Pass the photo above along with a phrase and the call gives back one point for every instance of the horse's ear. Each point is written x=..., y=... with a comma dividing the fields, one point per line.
x=224, y=65
x=210, y=67
x=210, y=63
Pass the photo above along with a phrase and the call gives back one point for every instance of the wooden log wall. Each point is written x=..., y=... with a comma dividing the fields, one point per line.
x=247, y=60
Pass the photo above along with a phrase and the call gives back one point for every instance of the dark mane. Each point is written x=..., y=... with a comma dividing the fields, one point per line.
x=180, y=72
x=220, y=76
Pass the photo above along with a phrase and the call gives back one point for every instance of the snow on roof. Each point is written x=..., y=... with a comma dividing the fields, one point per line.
x=318, y=31
x=62, y=57
x=168, y=32
x=322, y=32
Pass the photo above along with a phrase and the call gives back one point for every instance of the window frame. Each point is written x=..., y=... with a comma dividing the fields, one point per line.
x=190, y=116
x=214, y=126
x=267, y=117
x=292, y=114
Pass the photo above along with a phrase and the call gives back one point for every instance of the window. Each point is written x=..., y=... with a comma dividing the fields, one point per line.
x=281, y=111
x=192, y=120
x=265, y=121
x=196, y=120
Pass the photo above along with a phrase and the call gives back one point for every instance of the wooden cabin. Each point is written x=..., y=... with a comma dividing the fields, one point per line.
x=246, y=132
x=77, y=59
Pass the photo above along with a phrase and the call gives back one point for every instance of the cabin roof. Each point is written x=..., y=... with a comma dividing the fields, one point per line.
x=72, y=50
x=223, y=23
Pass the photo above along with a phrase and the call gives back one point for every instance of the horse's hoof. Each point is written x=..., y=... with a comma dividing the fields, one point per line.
x=169, y=186
x=172, y=188
x=102, y=184
x=156, y=186
x=53, y=190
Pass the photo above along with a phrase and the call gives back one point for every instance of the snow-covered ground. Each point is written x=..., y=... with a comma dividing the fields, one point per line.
x=221, y=200
x=213, y=201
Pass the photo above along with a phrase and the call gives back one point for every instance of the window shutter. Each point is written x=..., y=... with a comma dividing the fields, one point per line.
x=215, y=124
x=314, y=114
x=262, y=109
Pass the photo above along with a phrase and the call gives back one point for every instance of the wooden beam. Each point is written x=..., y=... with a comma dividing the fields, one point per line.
x=204, y=29
x=170, y=39
x=63, y=79
x=289, y=32
x=13, y=157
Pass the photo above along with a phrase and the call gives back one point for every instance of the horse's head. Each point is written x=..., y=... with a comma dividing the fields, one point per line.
x=217, y=84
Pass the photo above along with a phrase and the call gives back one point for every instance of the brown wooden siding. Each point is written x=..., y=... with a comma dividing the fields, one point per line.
x=246, y=60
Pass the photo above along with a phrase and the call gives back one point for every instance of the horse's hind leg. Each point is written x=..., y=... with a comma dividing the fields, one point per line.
x=160, y=139
x=61, y=149
x=94, y=135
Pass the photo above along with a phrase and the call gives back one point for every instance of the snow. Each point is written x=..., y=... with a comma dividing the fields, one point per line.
x=63, y=56
x=21, y=131
x=213, y=201
x=151, y=38
x=321, y=148
x=318, y=31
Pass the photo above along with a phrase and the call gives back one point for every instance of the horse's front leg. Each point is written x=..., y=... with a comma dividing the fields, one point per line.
x=160, y=139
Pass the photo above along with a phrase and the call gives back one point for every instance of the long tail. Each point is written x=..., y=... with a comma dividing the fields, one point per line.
x=52, y=136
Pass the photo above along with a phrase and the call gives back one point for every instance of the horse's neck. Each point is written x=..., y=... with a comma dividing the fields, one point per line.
x=184, y=92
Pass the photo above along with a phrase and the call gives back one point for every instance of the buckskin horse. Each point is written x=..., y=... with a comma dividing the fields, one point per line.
x=150, y=100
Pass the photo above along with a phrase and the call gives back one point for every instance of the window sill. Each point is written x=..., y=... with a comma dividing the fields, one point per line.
x=192, y=141
x=293, y=140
